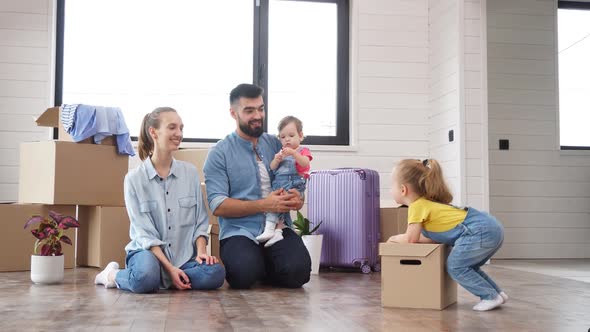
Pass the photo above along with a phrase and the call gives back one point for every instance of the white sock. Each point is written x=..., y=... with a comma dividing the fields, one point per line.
x=504, y=296
x=486, y=305
x=269, y=232
x=103, y=277
x=277, y=236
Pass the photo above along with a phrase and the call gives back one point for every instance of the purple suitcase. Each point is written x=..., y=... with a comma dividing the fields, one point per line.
x=347, y=201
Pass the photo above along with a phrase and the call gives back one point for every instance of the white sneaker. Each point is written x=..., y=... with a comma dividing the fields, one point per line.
x=103, y=277
x=504, y=296
x=486, y=305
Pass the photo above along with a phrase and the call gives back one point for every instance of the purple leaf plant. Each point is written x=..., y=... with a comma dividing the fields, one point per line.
x=50, y=233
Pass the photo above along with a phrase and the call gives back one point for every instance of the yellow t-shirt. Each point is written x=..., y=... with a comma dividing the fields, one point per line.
x=435, y=217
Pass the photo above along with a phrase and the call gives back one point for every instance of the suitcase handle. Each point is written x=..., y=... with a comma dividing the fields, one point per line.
x=361, y=172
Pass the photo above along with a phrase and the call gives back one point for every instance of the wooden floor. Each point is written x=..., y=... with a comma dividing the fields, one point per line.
x=332, y=301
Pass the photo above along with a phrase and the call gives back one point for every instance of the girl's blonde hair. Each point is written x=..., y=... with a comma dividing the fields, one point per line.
x=425, y=178
x=145, y=143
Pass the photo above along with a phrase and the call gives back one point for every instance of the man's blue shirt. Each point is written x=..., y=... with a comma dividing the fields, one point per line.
x=231, y=171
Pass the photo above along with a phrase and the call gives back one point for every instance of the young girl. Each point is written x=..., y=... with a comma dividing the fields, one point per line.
x=474, y=235
x=169, y=221
x=291, y=168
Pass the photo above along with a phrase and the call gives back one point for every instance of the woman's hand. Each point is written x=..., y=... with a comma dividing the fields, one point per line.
x=179, y=279
x=206, y=259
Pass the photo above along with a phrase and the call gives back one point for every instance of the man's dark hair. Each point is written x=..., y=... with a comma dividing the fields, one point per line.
x=245, y=90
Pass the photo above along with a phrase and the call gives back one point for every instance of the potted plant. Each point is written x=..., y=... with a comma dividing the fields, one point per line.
x=47, y=261
x=313, y=242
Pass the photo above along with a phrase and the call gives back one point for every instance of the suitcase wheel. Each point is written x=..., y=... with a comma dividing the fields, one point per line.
x=365, y=268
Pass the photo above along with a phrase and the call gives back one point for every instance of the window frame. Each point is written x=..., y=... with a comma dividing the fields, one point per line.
x=579, y=6
x=259, y=66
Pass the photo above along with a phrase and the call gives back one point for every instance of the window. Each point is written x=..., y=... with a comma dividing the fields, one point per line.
x=574, y=70
x=138, y=55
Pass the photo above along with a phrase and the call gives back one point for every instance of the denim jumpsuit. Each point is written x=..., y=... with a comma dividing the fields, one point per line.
x=474, y=242
x=286, y=177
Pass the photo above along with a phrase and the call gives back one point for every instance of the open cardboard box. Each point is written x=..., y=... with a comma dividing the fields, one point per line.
x=394, y=220
x=51, y=118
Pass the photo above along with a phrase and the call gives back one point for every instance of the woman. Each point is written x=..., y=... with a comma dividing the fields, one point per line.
x=168, y=218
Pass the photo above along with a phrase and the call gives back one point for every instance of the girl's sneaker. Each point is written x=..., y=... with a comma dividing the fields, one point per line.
x=486, y=305
x=504, y=296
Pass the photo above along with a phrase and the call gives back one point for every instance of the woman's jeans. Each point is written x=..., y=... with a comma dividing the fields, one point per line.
x=474, y=242
x=142, y=274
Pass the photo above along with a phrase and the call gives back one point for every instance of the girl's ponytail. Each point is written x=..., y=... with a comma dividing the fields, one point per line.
x=433, y=182
x=145, y=143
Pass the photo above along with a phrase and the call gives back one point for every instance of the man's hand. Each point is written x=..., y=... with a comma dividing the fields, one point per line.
x=294, y=199
x=276, y=202
x=179, y=279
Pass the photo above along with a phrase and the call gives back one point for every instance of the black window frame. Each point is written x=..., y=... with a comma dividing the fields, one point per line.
x=260, y=67
x=580, y=6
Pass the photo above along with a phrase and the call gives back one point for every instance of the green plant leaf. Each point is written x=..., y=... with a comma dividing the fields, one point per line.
x=316, y=227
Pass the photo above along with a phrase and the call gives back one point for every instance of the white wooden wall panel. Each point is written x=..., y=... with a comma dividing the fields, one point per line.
x=25, y=75
x=541, y=195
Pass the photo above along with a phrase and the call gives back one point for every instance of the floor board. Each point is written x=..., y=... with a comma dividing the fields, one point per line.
x=331, y=301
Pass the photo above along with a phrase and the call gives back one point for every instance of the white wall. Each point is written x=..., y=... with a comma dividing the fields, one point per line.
x=389, y=75
x=445, y=91
x=25, y=81
x=475, y=118
x=542, y=195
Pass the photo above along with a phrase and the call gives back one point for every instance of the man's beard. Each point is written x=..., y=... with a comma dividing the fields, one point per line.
x=252, y=132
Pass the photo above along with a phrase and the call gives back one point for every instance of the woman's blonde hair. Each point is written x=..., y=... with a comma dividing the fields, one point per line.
x=425, y=178
x=145, y=143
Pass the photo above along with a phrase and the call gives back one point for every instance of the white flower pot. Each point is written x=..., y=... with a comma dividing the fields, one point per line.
x=313, y=243
x=47, y=269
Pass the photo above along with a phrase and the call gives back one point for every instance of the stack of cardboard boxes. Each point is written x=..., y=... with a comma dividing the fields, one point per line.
x=65, y=176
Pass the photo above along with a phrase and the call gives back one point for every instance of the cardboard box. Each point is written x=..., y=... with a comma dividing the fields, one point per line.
x=51, y=118
x=212, y=219
x=18, y=243
x=414, y=276
x=393, y=221
x=213, y=245
x=196, y=157
x=102, y=236
x=55, y=172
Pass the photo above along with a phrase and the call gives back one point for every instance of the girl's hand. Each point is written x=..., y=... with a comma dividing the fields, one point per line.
x=204, y=258
x=179, y=279
x=394, y=238
x=288, y=151
x=279, y=156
